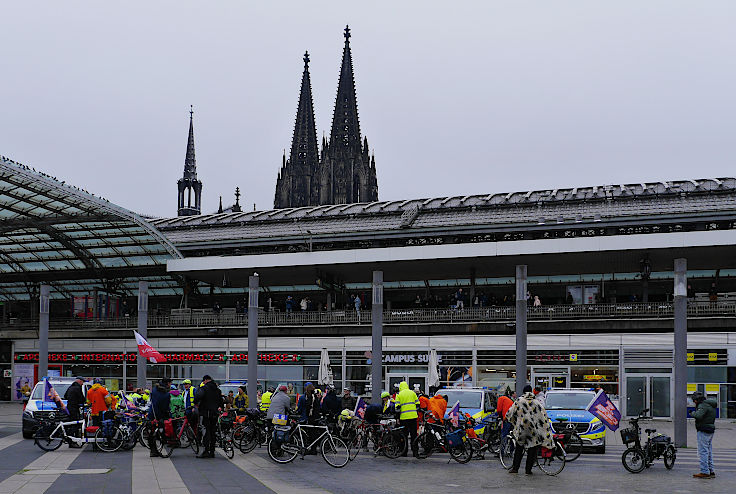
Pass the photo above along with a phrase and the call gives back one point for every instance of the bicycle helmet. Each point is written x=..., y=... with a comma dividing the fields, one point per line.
x=385, y=394
x=187, y=381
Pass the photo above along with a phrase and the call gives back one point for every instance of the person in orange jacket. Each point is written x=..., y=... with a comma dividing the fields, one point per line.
x=502, y=406
x=438, y=407
x=96, y=397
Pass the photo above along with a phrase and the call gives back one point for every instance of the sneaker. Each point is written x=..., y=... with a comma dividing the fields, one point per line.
x=702, y=476
x=513, y=471
x=712, y=474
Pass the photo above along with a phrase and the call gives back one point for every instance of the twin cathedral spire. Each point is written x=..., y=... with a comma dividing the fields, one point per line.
x=344, y=172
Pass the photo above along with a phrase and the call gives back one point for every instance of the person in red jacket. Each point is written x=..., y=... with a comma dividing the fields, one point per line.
x=503, y=405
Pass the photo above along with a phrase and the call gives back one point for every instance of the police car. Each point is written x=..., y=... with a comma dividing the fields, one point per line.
x=571, y=404
x=477, y=402
x=38, y=409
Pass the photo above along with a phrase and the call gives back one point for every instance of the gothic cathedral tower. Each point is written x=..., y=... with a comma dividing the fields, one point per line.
x=189, y=183
x=345, y=172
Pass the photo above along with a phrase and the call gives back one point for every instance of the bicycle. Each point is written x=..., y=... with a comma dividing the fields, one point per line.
x=549, y=461
x=253, y=432
x=637, y=457
x=287, y=442
x=568, y=437
x=51, y=434
x=224, y=435
x=386, y=439
x=184, y=438
x=444, y=438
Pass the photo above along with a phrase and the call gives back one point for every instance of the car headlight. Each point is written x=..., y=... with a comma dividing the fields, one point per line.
x=28, y=414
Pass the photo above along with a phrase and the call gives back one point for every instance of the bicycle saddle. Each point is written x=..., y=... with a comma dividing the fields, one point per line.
x=650, y=431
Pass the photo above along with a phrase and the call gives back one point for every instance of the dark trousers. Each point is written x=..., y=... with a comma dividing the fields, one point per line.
x=152, y=445
x=531, y=457
x=209, y=422
x=410, y=432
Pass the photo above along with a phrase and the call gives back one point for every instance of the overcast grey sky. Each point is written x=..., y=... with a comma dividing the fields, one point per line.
x=455, y=98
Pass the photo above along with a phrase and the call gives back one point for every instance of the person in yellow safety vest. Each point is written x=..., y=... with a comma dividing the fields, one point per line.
x=188, y=394
x=266, y=399
x=406, y=406
x=388, y=404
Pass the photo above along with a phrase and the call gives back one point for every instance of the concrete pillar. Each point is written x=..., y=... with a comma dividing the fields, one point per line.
x=377, y=333
x=520, y=328
x=43, y=332
x=252, y=339
x=142, y=330
x=680, y=357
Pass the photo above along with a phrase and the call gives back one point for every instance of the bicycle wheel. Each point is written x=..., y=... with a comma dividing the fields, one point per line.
x=554, y=463
x=394, y=444
x=227, y=446
x=633, y=460
x=284, y=452
x=188, y=439
x=334, y=451
x=355, y=445
x=425, y=444
x=462, y=453
x=492, y=437
x=144, y=429
x=48, y=438
x=248, y=439
x=130, y=437
x=111, y=442
x=164, y=445
x=670, y=455
x=574, y=447
x=506, y=453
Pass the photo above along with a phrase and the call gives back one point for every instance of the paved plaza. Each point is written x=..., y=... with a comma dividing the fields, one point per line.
x=26, y=469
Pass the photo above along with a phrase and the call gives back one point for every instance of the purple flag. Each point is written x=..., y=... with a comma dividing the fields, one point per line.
x=51, y=395
x=360, y=407
x=605, y=410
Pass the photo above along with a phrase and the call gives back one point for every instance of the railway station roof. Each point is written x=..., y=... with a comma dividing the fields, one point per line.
x=55, y=233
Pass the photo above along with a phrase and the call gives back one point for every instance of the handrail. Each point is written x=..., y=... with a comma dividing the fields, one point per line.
x=208, y=318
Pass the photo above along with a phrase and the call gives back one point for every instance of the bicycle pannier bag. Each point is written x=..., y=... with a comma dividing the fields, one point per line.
x=169, y=428
x=281, y=434
x=456, y=438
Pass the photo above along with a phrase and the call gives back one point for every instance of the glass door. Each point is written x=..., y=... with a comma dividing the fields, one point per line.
x=550, y=380
x=394, y=378
x=649, y=391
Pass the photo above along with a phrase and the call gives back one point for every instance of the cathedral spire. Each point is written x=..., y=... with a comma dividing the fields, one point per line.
x=303, y=162
x=345, y=135
x=189, y=183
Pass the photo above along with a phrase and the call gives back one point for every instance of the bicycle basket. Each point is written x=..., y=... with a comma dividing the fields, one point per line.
x=456, y=438
x=629, y=435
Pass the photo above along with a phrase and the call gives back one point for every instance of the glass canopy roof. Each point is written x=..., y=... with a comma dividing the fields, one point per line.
x=58, y=234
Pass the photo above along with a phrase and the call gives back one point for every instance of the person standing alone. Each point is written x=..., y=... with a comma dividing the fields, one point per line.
x=208, y=401
x=705, y=424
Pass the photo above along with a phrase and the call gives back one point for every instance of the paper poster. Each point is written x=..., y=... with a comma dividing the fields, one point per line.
x=22, y=381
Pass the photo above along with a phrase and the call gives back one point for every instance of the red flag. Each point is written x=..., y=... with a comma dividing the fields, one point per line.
x=147, y=350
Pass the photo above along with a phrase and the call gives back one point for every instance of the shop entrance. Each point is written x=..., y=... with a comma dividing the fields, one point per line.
x=551, y=378
x=652, y=391
x=394, y=378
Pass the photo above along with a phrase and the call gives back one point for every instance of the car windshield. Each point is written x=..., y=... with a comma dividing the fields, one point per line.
x=226, y=388
x=59, y=387
x=468, y=399
x=567, y=401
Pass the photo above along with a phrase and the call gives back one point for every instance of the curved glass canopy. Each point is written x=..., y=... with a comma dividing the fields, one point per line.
x=55, y=233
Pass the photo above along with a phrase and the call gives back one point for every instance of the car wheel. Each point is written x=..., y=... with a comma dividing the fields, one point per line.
x=601, y=449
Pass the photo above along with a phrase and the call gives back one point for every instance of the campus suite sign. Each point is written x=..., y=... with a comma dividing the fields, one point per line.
x=409, y=358
x=173, y=357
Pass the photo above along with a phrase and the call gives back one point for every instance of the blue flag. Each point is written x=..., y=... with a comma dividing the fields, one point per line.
x=605, y=410
x=454, y=414
x=50, y=394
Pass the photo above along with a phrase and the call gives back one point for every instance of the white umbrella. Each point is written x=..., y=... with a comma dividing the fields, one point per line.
x=325, y=370
x=433, y=378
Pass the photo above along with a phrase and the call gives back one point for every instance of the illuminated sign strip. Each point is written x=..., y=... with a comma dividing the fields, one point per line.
x=174, y=357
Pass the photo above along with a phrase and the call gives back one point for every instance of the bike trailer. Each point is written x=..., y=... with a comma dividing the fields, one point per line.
x=456, y=438
x=629, y=435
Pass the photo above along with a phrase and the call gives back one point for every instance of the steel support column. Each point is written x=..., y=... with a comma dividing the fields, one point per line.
x=680, y=356
x=252, y=339
x=377, y=333
x=520, y=328
x=43, y=331
x=143, y=330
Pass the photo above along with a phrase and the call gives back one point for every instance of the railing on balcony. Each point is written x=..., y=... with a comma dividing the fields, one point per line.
x=208, y=318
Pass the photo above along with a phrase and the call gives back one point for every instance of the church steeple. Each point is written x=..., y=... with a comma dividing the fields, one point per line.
x=297, y=186
x=189, y=183
x=345, y=135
